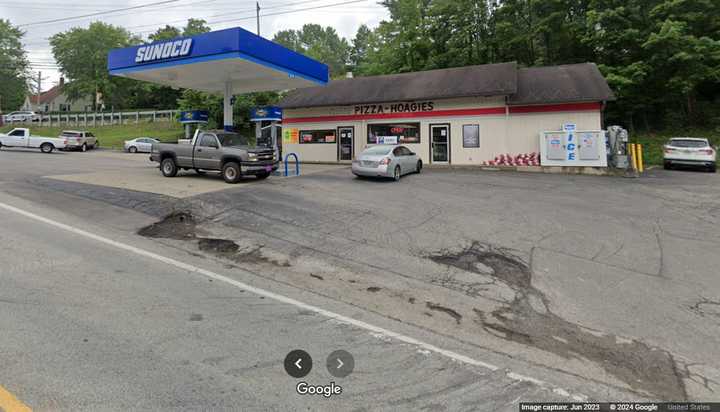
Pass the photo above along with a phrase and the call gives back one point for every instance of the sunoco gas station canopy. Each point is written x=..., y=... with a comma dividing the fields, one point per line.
x=231, y=61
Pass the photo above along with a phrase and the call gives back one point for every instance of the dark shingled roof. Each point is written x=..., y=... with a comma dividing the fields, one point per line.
x=554, y=84
x=471, y=81
x=561, y=84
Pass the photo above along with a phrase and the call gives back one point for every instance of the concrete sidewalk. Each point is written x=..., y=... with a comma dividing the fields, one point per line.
x=137, y=173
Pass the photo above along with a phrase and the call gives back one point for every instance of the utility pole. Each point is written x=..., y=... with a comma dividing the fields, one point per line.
x=39, y=88
x=257, y=12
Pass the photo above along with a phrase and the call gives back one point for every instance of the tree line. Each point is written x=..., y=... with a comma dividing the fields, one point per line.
x=660, y=57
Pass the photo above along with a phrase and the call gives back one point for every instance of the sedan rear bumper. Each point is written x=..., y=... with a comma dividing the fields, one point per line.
x=381, y=171
x=690, y=162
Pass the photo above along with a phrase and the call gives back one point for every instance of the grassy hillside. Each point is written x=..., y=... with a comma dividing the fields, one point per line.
x=653, y=142
x=114, y=136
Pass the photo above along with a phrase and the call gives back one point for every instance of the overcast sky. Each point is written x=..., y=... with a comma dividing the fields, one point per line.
x=220, y=14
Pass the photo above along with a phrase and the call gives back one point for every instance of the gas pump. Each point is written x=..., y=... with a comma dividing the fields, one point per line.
x=191, y=119
x=268, y=127
x=617, y=141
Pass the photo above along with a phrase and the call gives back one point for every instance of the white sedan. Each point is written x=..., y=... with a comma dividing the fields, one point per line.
x=689, y=151
x=386, y=161
x=140, y=145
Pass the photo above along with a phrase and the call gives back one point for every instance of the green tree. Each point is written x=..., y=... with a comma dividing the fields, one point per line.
x=13, y=67
x=323, y=44
x=686, y=61
x=360, y=47
x=406, y=36
x=165, y=33
x=195, y=26
x=462, y=33
x=82, y=54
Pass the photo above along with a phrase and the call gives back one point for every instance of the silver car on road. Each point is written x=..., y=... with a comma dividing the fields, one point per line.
x=140, y=145
x=386, y=161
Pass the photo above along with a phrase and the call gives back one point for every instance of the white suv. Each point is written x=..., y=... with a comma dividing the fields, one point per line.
x=22, y=116
x=689, y=151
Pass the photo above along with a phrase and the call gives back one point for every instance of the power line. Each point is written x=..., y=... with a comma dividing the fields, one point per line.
x=225, y=13
x=98, y=13
x=275, y=13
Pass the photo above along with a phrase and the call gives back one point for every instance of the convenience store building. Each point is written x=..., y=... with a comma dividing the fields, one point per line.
x=460, y=116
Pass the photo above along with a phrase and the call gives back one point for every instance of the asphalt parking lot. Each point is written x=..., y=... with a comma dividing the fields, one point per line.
x=602, y=285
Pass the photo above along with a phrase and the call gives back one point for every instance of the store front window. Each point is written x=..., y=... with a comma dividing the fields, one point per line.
x=394, y=133
x=317, y=136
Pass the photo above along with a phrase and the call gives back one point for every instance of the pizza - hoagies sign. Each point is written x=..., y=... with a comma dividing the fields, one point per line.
x=395, y=108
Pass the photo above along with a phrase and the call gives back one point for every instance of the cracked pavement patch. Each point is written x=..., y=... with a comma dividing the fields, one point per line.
x=527, y=320
x=706, y=307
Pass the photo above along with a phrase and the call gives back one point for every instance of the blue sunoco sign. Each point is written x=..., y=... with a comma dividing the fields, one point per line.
x=272, y=113
x=194, y=116
x=234, y=43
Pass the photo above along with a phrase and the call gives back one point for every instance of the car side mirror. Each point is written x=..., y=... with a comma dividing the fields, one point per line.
x=412, y=154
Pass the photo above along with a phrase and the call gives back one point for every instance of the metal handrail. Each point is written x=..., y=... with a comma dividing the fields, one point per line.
x=297, y=164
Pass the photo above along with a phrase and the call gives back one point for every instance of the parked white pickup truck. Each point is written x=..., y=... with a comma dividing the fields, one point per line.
x=21, y=137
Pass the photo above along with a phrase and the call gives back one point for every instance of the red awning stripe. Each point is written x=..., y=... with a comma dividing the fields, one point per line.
x=486, y=111
x=546, y=108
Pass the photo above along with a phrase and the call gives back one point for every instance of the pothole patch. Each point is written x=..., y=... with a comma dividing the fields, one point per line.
x=218, y=246
x=177, y=225
x=183, y=226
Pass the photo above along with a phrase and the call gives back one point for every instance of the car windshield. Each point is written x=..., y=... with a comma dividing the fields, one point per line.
x=378, y=150
x=233, y=139
x=71, y=134
x=687, y=143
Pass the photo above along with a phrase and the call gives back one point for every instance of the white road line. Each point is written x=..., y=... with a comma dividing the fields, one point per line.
x=284, y=299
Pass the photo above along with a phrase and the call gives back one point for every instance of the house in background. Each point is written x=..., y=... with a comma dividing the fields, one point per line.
x=54, y=100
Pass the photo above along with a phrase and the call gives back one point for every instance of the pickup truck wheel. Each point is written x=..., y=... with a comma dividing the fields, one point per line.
x=132, y=149
x=231, y=172
x=168, y=167
x=47, y=148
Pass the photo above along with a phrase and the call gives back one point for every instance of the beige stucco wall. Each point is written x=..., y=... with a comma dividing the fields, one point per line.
x=499, y=133
x=525, y=127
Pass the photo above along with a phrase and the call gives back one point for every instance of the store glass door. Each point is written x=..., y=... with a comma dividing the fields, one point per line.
x=345, y=148
x=440, y=143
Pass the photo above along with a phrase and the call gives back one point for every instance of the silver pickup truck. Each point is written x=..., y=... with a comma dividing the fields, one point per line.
x=216, y=150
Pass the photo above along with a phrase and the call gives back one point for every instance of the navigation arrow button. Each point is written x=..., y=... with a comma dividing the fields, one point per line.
x=298, y=363
x=340, y=364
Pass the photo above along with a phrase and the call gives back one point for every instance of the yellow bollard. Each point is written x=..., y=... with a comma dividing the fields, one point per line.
x=633, y=157
x=641, y=166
